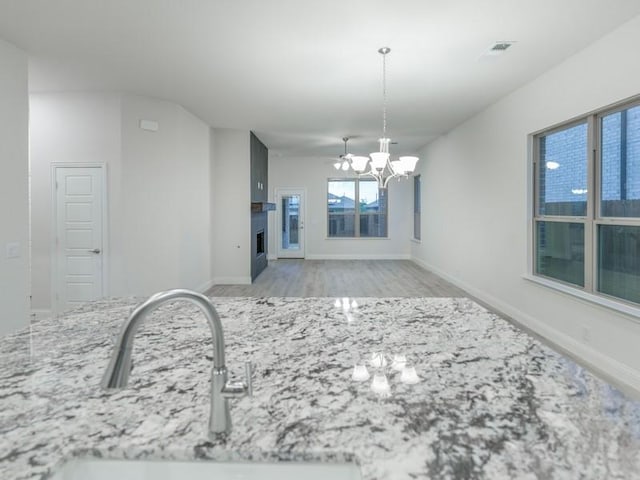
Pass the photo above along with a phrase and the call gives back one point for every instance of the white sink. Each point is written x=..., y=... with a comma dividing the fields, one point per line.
x=201, y=470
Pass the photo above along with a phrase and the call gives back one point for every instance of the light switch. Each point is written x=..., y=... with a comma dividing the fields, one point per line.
x=149, y=125
x=13, y=250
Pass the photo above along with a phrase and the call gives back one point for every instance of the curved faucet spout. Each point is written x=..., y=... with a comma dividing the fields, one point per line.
x=117, y=374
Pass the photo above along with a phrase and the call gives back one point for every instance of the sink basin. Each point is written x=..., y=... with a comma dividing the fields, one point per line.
x=200, y=470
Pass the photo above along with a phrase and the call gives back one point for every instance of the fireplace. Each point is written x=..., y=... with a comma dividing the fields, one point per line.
x=259, y=240
x=260, y=243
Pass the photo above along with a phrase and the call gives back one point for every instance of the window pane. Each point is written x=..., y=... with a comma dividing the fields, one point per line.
x=342, y=225
x=341, y=203
x=342, y=196
x=620, y=192
x=373, y=225
x=290, y=222
x=619, y=261
x=373, y=209
x=562, y=173
x=560, y=251
x=371, y=197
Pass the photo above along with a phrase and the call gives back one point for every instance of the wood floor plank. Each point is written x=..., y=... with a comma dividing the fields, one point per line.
x=342, y=278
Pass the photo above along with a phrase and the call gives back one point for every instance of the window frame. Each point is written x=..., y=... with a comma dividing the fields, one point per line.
x=593, y=218
x=417, y=208
x=356, y=227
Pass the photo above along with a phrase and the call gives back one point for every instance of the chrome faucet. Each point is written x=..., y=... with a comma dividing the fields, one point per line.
x=117, y=374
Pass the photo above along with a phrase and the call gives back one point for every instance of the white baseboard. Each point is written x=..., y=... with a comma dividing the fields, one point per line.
x=358, y=256
x=232, y=281
x=623, y=376
x=205, y=286
x=272, y=256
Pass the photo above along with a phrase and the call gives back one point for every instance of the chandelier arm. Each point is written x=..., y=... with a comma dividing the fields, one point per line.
x=367, y=174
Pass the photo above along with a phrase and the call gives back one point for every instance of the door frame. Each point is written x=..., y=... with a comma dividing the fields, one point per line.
x=53, y=257
x=302, y=231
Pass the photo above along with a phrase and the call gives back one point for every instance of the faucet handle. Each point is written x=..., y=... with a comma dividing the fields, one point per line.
x=240, y=389
x=248, y=374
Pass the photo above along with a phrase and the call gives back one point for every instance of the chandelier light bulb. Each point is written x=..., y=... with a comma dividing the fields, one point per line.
x=379, y=160
x=359, y=164
x=408, y=163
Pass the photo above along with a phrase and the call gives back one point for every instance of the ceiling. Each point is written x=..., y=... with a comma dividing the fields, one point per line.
x=303, y=74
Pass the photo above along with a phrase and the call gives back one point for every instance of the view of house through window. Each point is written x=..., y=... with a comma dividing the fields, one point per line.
x=356, y=208
x=587, y=204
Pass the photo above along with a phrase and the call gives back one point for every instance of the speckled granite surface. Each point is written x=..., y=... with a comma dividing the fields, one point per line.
x=492, y=401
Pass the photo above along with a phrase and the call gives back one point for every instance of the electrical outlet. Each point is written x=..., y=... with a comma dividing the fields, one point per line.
x=13, y=250
x=586, y=334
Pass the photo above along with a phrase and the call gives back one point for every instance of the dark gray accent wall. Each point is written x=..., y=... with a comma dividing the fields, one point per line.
x=259, y=193
x=259, y=169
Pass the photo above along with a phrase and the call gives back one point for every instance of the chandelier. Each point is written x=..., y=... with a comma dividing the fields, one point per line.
x=342, y=163
x=379, y=166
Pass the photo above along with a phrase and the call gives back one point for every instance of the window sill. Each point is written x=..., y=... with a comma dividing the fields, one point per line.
x=589, y=297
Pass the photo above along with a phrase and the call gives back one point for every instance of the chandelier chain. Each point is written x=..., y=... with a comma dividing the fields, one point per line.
x=384, y=95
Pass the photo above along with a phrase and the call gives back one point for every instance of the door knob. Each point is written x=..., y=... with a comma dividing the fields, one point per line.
x=95, y=250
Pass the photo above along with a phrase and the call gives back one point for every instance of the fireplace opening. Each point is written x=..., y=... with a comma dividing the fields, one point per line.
x=260, y=243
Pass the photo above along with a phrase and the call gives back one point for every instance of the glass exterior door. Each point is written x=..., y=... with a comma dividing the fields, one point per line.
x=290, y=220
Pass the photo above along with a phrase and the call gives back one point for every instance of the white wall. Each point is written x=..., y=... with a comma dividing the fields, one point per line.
x=474, y=184
x=72, y=128
x=232, y=207
x=158, y=188
x=165, y=198
x=14, y=189
x=312, y=174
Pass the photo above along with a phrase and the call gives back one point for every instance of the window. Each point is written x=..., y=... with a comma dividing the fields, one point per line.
x=356, y=208
x=416, y=207
x=587, y=203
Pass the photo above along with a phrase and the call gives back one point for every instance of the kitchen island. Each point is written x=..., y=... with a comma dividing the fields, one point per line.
x=492, y=402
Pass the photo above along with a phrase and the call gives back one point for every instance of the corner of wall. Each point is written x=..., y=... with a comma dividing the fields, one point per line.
x=14, y=190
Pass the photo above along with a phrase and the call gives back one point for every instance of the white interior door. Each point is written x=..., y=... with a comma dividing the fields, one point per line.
x=290, y=218
x=78, y=255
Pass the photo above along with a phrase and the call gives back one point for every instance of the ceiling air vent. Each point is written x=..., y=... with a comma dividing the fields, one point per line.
x=501, y=46
x=498, y=48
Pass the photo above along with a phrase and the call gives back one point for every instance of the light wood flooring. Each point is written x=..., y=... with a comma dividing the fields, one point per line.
x=342, y=278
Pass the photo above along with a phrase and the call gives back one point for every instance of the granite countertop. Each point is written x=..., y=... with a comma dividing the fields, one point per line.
x=492, y=401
